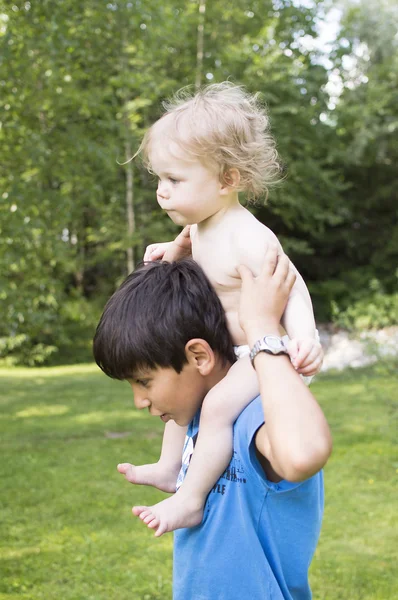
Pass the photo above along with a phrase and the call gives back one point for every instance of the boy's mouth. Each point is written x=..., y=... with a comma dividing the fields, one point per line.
x=165, y=418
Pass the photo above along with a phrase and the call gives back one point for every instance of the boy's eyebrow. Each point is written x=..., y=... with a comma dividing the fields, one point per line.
x=139, y=375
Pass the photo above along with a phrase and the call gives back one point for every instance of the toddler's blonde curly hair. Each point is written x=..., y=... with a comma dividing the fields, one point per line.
x=224, y=127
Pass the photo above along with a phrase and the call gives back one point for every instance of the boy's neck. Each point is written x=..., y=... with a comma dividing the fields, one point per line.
x=231, y=204
x=218, y=373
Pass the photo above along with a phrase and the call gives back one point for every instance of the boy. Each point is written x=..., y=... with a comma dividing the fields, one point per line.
x=205, y=150
x=165, y=331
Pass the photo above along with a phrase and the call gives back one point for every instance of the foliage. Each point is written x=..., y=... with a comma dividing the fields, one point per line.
x=364, y=245
x=81, y=81
x=374, y=312
x=67, y=529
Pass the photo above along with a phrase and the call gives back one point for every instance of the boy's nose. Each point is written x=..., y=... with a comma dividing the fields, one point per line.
x=140, y=401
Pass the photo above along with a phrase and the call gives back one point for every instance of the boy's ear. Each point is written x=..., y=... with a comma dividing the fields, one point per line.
x=230, y=179
x=200, y=355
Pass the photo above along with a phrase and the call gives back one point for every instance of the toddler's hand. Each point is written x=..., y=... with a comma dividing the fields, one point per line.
x=306, y=355
x=156, y=251
x=170, y=251
x=181, y=247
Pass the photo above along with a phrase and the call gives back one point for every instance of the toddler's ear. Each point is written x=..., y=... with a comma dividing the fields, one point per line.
x=230, y=179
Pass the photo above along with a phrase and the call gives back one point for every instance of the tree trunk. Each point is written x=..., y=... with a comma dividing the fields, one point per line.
x=199, y=45
x=130, y=205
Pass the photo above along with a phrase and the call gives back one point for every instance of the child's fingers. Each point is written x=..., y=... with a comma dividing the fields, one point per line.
x=282, y=268
x=315, y=356
x=270, y=260
x=291, y=278
x=155, y=251
x=292, y=348
x=158, y=253
x=313, y=368
x=148, y=252
x=305, y=348
x=186, y=232
x=244, y=273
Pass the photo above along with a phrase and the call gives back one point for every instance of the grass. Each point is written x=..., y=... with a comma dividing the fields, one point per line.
x=66, y=529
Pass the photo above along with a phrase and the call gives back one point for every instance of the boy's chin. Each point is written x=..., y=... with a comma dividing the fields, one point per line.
x=183, y=422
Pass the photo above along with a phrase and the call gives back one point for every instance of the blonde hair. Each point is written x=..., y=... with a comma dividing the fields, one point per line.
x=221, y=125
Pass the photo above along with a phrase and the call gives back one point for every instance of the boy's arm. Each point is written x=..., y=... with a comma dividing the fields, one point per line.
x=295, y=437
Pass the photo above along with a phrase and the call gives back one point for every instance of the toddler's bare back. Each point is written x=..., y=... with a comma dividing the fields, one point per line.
x=219, y=248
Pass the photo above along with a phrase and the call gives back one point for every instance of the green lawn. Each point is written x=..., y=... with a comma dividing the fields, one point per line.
x=66, y=527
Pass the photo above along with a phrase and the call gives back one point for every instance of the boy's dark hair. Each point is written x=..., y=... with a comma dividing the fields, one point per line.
x=155, y=312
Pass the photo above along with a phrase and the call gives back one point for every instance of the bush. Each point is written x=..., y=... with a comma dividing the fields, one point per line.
x=62, y=335
x=376, y=311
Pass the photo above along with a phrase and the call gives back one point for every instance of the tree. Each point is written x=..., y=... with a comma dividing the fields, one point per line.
x=362, y=252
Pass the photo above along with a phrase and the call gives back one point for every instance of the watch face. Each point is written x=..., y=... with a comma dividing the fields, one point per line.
x=273, y=341
x=271, y=344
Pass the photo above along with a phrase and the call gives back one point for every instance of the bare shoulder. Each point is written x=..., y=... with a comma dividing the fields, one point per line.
x=251, y=240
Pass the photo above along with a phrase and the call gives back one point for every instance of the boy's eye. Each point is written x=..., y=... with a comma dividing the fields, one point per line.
x=143, y=382
x=172, y=180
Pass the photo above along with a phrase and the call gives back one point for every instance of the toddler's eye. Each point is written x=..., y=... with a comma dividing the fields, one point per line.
x=172, y=180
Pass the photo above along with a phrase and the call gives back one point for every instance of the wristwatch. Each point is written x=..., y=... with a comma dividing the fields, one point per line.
x=271, y=344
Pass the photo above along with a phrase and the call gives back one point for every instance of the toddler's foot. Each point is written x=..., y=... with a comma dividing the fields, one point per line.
x=170, y=514
x=155, y=474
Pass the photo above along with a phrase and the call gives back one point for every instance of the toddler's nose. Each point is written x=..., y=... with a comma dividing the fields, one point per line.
x=163, y=190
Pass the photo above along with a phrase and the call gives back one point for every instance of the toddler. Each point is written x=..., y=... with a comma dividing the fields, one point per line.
x=204, y=150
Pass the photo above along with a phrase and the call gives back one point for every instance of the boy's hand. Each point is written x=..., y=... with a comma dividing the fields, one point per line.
x=306, y=355
x=263, y=299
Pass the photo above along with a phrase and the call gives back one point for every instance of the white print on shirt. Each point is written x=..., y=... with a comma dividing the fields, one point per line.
x=234, y=472
x=187, y=452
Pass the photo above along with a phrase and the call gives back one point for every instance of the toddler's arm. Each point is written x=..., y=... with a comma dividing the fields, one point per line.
x=298, y=320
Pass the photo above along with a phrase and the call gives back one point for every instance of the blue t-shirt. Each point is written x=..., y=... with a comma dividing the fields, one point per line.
x=257, y=538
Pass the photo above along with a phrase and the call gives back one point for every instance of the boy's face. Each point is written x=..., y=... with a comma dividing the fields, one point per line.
x=168, y=394
x=187, y=190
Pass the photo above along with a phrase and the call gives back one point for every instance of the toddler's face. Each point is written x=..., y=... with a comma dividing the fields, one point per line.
x=187, y=190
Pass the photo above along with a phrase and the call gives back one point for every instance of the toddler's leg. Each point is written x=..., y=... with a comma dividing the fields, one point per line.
x=162, y=474
x=213, y=450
